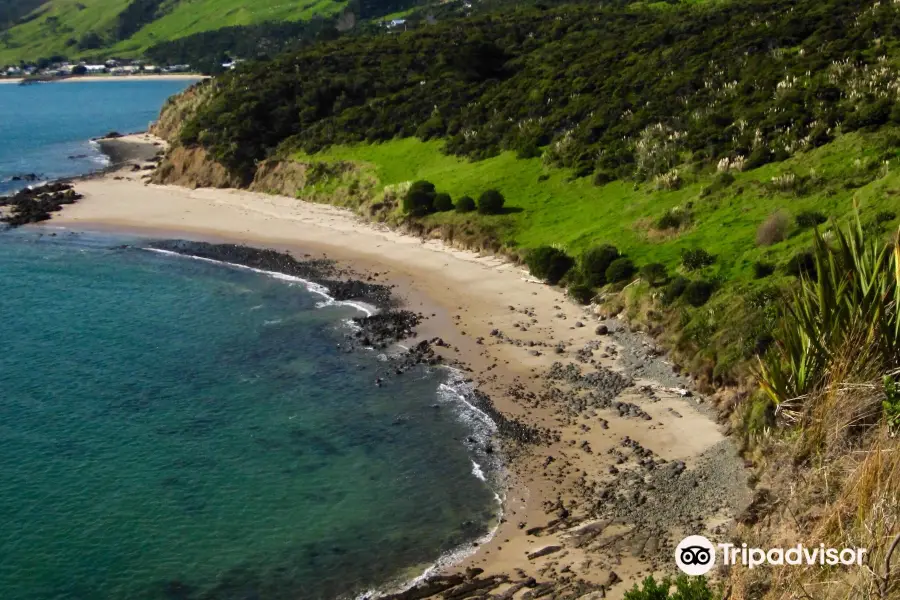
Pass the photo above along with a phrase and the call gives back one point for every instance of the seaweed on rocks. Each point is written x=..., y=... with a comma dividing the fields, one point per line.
x=36, y=204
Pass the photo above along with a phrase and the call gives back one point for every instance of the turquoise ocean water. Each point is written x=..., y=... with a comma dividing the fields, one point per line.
x=45, y=129
x=173, y=429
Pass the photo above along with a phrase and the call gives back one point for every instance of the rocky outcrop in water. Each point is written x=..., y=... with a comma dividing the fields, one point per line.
x=318, y=271
x=33, y=205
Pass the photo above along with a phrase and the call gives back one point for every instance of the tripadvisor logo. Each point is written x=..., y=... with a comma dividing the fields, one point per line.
x=696, y=555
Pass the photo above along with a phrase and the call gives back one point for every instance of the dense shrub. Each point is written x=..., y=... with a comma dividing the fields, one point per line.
x=655, y=274
x=595, y=261
x=674, y=290
x=724, y=179
x=491, y=202
x=696, y=258
x=669, y=220
x=548, y=263
x=581, y=292
x=620, y=270
x=685, y=588
x=762, y=269
x=802, y=263
x=885, y=216
x=773, y=230
x=432, y=128
x=602, y=177
x=465, y=204
x=443, y=202
x=810, y=218
x=697, y=293
x=419, y=199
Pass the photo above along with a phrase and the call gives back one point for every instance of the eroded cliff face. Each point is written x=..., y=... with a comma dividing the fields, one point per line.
x=193, y=168
x=282, y=177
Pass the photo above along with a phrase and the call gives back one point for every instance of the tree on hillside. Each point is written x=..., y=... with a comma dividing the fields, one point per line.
x=491, y=202
x=419, y=200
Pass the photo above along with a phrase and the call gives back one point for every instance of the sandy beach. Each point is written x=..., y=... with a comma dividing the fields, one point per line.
x=636, y=462
x=108, y=78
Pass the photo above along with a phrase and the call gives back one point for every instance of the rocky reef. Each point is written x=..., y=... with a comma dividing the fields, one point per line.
x=36, y=204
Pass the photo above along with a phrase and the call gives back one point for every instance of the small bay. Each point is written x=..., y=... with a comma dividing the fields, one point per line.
x=178, y=429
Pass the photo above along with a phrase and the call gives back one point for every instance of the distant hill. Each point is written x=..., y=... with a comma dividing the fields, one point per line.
x=31, y=29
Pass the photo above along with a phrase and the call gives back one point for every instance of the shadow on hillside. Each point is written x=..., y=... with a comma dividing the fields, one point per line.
x=510, y=210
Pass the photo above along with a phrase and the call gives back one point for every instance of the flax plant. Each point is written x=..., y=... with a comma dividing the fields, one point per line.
x=849, y=302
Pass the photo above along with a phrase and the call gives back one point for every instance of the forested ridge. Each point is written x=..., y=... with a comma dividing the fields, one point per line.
x=618, y=91
x=672, y=131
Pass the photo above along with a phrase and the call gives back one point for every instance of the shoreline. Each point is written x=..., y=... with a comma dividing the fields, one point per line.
x=611, y=419
x=106, y=78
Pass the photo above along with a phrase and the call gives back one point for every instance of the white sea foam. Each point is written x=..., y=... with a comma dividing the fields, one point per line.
x=311, y=286
x=477, y=472
x=99, y=157
x=445, y=561
x=482, y=426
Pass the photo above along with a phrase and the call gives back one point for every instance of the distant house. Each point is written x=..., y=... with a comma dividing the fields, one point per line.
x=13, y=72
x=95, y=69
x=151, y=69
x=125, y=70
x=396, y=23
x=177, y=69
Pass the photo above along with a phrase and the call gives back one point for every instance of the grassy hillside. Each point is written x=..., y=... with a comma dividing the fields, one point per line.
x=65, y=27
x=548, y=206
x=552, y=208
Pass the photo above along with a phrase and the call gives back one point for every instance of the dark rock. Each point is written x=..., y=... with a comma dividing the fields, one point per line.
x=602, y=330
x=544, y=552
x=33, y=205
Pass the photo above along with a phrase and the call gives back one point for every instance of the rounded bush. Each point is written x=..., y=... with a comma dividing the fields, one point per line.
x=810, y=218
x=697, y=293
x=491, y=202
x=762, y=270
x=696, y=258
x=443, y=202
x=419, y=200
x=674, y=290
x=548, y=263
x=465, y=204
x=670, y=220
x=619, y=270
x=802, y=263
x=581, y=293
x=655, y=274
x=595, y=261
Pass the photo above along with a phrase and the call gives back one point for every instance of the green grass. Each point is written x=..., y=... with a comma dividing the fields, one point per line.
x=553, y=208
x=578, y=214
x=75, y=18
x=205, y=15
